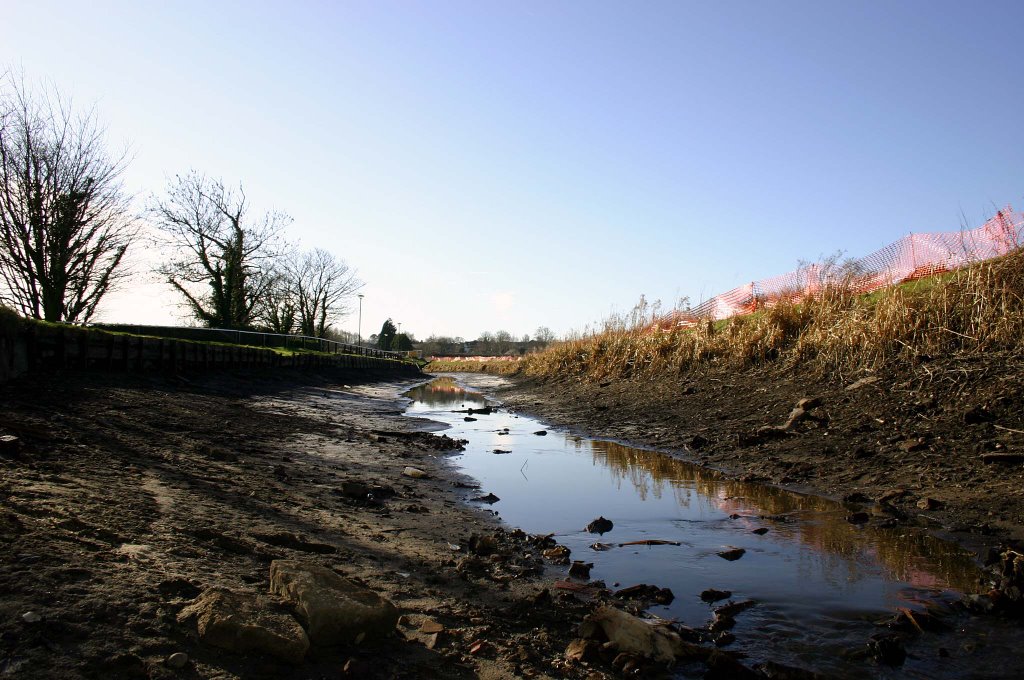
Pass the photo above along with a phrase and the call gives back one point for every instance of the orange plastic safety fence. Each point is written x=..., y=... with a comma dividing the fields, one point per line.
x=912, y=257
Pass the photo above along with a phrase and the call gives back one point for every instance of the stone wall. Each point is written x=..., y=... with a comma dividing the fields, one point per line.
x=30, y=347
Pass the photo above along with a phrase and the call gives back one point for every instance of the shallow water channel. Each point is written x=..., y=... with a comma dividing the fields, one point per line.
x=820, y=583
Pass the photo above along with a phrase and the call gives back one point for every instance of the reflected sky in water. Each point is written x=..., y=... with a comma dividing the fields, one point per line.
x=815, y=576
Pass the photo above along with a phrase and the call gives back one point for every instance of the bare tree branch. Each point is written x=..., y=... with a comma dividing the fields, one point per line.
x=216, y=245
x=65, y=218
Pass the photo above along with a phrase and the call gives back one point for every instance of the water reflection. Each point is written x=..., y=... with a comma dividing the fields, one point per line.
x=819, y=581
x=444, y=392
x=912, y=556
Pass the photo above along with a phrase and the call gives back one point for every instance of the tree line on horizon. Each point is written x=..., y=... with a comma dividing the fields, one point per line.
x=67, y=222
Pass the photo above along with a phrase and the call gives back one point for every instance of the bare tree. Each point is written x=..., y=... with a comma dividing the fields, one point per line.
x=277, y=309
x=544, y=334
x=223, y=265
x=321, y=284
x=65, y=218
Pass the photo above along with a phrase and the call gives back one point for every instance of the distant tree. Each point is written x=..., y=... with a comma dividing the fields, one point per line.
x=440, y=345
x=402, y=343
x=543, y=334
x=339, y=335
x=223, y=259
x=387, y=335
x=321, y=283
x=65, y=218
x=277, y=309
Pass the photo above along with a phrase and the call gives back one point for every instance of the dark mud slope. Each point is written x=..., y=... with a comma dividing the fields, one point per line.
x=942, y=444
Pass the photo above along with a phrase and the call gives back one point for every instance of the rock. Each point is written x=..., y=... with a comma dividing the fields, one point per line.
x=469, y=419
x=31, y=617
x=582, y=650
x=354, y=490
x=600, y=526
x=631, y=635
x=733, y=554
x=489, y=499
x=541, y=433
x=799, y=413
x=333, y=609
x=724, y=638
x=712, y=595
x=246, y=623
x=643, y=590
x=912, y=445
x=734, y=608
x=809, y=403
x=482, y=545
x=930, y=504
x=430, y=627
x=177, y=660
x=856, y=497
x=415, y=473
x=580, y=569
x=867, y=380
x=761, y=531
x=559, y=552
x=858, y=518
x=470, y=564
x=500, y=451
x=887, y=648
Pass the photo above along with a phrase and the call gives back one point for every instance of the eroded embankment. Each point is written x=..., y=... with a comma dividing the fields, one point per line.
x=941, y=444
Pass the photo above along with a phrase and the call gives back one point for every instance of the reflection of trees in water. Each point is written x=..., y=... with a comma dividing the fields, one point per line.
x=842, y=550
x=443, y=392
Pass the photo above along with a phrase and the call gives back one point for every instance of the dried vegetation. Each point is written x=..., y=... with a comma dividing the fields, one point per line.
x=976, y=309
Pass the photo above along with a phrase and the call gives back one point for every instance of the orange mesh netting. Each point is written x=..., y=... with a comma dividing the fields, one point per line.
x=912, y=257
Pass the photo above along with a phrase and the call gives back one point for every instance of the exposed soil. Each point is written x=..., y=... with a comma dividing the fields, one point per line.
x=125, y=497
x=941, y=445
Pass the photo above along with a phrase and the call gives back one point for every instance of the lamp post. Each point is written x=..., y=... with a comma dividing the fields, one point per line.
x=359, y=330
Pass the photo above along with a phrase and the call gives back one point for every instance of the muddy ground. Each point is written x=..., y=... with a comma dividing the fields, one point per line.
x=124, y=497
x=941, y=444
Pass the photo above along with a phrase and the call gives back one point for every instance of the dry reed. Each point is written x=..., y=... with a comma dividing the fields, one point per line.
x=976, y=309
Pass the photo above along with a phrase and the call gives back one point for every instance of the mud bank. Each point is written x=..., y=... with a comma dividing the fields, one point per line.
x=124, y=500
x=941, y=445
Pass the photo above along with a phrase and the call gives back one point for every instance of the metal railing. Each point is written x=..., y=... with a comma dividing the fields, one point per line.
x=251, y=338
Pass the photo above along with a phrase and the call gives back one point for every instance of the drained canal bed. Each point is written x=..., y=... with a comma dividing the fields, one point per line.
x=819, y=586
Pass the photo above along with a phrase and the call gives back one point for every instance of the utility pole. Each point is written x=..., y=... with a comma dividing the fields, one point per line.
x=359, y=331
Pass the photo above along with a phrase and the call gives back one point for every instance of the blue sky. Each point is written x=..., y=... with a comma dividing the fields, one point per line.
x=490, y=165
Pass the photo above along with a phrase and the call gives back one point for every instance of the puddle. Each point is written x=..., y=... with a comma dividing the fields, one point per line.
x=820, y=583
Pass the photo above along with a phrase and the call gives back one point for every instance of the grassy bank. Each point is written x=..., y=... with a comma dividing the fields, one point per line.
x=496, y=367
x=976, y=309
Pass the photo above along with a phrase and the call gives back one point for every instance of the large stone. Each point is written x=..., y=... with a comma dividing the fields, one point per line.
x=333, y=609
x=246, y=623
x=629, y=634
